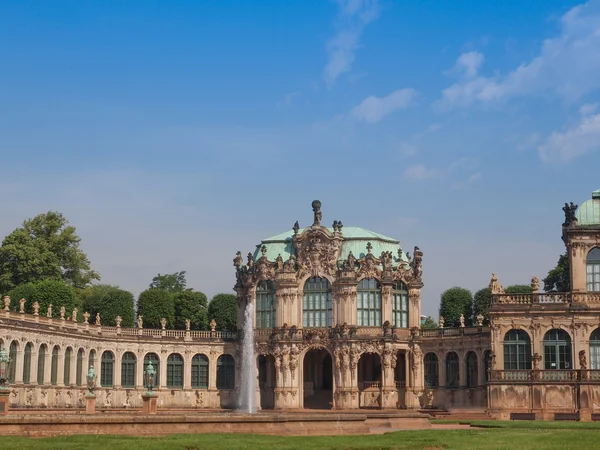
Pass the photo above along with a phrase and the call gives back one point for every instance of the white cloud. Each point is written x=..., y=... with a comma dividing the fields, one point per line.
x=567, y=66
x=354, y=15
x=419, y=172
x=588, y=109
x=468, y=64
x=373, y=109
x=576, y=141
x=408, y=149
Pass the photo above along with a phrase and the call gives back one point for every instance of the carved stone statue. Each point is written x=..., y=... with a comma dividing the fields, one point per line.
x=213, y=325
x=495, y=286
x=316, y=206
x=163, y=323
x=536, y=358
x=187, y=324
x=6, y=300
x=238, y=261
x=63, y=310
x=290, y=264
x=462, y=320
x=22, y=306
x=417, y=263
x=74, y=315
x=250, y=263
x=479, y=319
x=49, y=313
x=279, y=263
x=98, y=319
x=535, y=284
x=569, y=210
x=140, y=322
x=296, y=227
x=582, y=360
x=118, y=321
x=351, y=261
x=86, y=317
x=36, y=308
x=442, y=321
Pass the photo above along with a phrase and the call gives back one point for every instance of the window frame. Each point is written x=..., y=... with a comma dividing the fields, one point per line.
x=368, y=303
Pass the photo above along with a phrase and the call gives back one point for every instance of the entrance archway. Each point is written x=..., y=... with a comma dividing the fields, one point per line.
x=369, y=380
x=318, y=379
x=266, y=381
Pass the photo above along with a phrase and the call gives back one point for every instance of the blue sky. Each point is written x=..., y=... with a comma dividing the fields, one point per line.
x=173, y=134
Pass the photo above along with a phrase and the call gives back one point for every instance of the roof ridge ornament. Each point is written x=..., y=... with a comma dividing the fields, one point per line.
x=569, y=210
x=296, y=227
x=316, y=207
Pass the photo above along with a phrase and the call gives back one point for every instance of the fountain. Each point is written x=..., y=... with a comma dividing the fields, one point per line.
x=247, y=398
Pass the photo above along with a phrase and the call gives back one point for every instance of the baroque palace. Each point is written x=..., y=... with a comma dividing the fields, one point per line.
x=337, y=325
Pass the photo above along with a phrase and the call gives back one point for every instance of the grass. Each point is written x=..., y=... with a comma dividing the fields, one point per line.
x=500, y=435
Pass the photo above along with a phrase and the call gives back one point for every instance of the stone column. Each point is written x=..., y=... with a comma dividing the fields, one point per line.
x=117, y=366
x=414, y=306
x=187, y=370
x=389, y=394
x=139, y=372
x=386, y=303
x=163, y=370
x=19, y=366
x=73, y=369
x=346, y=394
x=34, y=367
x=60, y=369
x=48, y=366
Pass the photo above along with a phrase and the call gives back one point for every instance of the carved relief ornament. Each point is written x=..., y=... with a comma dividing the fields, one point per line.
x=317, y=251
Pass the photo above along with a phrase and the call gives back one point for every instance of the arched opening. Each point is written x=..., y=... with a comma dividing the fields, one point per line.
x=557, y=350
x=472, y=372
x=155, y=360
x=517, y=353
x=452, y=370
x=369, y=380
x=175, y=371
x=67, y=366
x=266, y=381
x=128, y=370
x=431, y=367
x=54, y=366
x=316, y=303
x=79, y=371
x=400, y=378
x=200, y=371
x=317, y=369
x=107, y=369
x=368, y=304
x=593, y=270
x=13, y=357
x=265, y=305
x=27, y=363
x=595, y=349
x=225, y=372
x=400, y=305
x=41, y=364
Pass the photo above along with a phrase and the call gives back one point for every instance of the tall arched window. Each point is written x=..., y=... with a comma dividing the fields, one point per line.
x=128, y=367
x=200, y=372
x=79, y=371
x=41, y=364
x=593, y=270
x=175, y=371
x=595, y=350
x=517, y=350
x=265, y=305
x=400, y=305
x=557, y=350
x=452, y=370
x=67, y=366
x=13, y=357
x=54, y=366
x=431, y=370
x=225, y=372
x=27, y=363
x=107, y=365
x=316, y=306
x=153, y=358
x=369, y=303
x=471, y=362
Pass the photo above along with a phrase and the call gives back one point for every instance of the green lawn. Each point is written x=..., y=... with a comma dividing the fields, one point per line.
x=499, y=435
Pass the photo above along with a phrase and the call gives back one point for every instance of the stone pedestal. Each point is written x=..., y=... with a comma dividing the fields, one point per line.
x=4, y=397
x=149, y=403
x=389, y=398
x=346, y=398
x=90, y=404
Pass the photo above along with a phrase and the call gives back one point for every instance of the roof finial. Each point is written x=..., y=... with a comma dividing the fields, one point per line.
x=316, y=206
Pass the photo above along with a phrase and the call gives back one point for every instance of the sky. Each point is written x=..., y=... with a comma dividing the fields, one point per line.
x=172, y=134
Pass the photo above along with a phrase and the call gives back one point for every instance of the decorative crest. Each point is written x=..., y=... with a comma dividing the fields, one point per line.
x=263, y=251
x=369, y=247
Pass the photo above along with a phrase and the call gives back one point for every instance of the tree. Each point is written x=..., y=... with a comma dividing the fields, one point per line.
x=482, y=300
x=429, y=323
x=193, y=306
x=454, y=302
x=174, y=282
x=153, y=305
x=47, y=292
x=559, y=278
x=222, y=308
x=110, y=302
x=518, y=289
x=44, y=248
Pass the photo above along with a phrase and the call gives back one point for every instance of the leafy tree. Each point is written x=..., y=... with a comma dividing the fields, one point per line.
x=454, y=302
x=174, y=282
x=429, y=323
x=191, y=305
x=44, y=247
x=154, y=304
x=47, y=292
x=482, y=300
x=222, y=308
x=559, y=278
x=518, y=289
x=110, y=302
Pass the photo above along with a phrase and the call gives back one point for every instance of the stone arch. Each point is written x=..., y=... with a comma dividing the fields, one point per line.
x=317, y=380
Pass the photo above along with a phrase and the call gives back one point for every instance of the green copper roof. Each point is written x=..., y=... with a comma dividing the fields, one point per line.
x=589, y=211
x=355, y=241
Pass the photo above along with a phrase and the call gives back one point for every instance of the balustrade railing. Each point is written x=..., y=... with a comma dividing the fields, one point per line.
x=544, y=376
x=536, y=298
x=363, y=385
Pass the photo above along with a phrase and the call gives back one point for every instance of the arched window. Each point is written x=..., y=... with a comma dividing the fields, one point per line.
x=175, y=371
x=369, y=303
x=517, y=350
x=265, y=305
x=67, y=366
x=557, y=350
x=13, y=357
x=27, y=363
x=431, y=370
x=79, y=371
x=200, y=372
x=107, y=369
x=471, y=362
x=452, y=370
x=225, y=372
x=593, y=270
x=400, y=305
x=316, y=306
x=41, y=364
x=595, y=350
x=54, y=366
x=153, y=358
x=128, y=366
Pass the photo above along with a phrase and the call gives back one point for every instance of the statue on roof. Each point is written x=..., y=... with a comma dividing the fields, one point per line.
x=279, y=263
x=569, y=210
x=316, y=206
x=250, y=260
x=495, y=286
x=296, y=227
x=238, y=261
x=417, y=263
